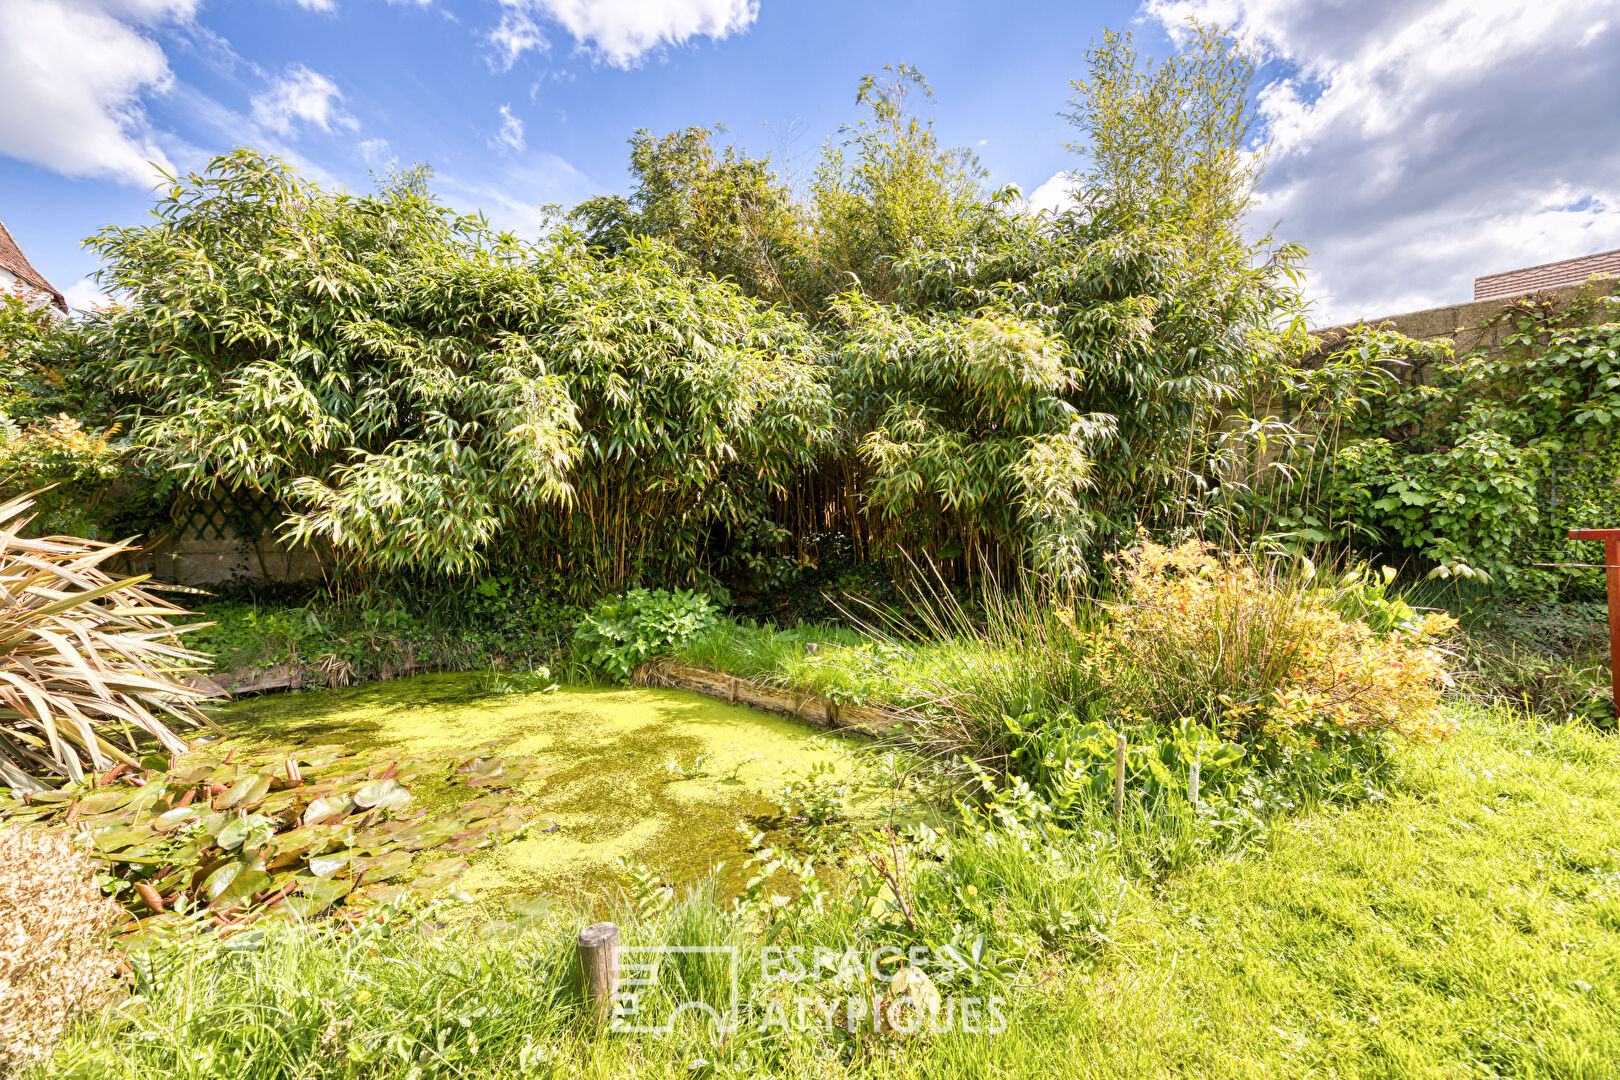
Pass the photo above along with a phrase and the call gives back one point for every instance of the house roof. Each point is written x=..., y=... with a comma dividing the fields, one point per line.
x=13, y=260
x=1551, y=275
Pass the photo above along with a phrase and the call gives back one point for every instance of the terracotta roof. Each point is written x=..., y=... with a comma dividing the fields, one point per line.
x=1551, y=275
x=13, y=260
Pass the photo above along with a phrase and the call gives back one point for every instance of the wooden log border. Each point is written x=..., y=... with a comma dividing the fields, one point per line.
x=288, y=676
x=795, y=704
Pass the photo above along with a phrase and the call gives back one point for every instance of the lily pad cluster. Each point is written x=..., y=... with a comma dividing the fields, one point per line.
x=234, y=837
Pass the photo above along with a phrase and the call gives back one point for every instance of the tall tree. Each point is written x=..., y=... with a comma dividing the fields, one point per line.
x=1169, y=138
x=889, y=190
x=728, y=214
x=422, y=393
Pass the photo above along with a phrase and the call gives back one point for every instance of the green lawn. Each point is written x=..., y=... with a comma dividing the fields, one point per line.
x=1467, y=926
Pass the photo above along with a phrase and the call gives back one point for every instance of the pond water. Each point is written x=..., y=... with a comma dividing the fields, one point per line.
x=599, y=769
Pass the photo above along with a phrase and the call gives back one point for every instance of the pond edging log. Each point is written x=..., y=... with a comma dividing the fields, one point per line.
x=795, y=704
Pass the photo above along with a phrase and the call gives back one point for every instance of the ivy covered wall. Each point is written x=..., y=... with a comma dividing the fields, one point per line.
x=1474, y=437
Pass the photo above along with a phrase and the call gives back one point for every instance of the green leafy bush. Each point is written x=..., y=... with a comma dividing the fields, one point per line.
x=424, y=394
x=1482, y=468
x=622, y=633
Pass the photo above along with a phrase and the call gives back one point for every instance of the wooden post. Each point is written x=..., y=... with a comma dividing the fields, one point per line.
x=1611, y=565
x=599, y=967
x=1119, y=780
x=1192, y=785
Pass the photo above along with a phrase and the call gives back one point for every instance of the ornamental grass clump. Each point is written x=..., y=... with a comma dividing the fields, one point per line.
x=1262, y=650
x=54, y=961
x=92, y=672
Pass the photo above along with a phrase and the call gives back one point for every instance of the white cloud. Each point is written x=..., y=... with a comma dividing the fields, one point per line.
x=378, y=154
x=1054, y=196
x=301, y=96
x=76, y=77
x=517, y=195
x=325, y=7
x=516, y=34
x=618, y=32
x=1421, y=144
x=83, y=295
x=509, y=139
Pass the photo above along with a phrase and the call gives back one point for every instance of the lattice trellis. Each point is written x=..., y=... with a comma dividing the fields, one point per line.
x=229, y=515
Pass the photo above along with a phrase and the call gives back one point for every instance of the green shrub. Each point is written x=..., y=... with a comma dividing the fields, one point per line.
x=499, y=399
x=1262, y=652
x=621, y=634
x=1481, y=469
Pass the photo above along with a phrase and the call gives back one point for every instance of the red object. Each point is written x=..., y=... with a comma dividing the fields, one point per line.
x=1611, y=563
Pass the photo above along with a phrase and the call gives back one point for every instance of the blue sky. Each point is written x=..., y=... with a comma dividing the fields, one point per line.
x=1416, y=143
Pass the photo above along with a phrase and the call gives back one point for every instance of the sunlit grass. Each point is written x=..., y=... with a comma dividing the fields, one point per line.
x=1467, y=925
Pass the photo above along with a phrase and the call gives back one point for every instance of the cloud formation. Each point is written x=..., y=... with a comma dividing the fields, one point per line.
x=77, y=76
x=1053, y=196
x=509, y=139
x=518, y=195
x=378, y=154
x=620, y=33
x=301, y=97
x=1418, y=145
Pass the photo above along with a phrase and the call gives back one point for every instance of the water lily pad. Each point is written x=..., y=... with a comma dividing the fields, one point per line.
x=328, y=809
x=241, y=888
x=309, y=840
x=324, y=866
x=220, y=880
x=318, y=894
x=107, y=799
x=120, y=838
x=347, y=818
x=251, y=831
x=383, y=867
x=381, y=894
x=247, y=791
x=446, y=867
x=380, y=791
x=427, y=834
x=173, y=819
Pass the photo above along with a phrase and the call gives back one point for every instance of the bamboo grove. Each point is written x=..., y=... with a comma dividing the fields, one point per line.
x=693, y=383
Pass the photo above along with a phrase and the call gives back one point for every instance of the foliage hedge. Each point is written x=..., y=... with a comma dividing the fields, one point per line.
x=1481, y=470
x=721, y=383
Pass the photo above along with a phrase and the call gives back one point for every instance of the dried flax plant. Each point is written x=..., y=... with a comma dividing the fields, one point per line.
x=91, y=666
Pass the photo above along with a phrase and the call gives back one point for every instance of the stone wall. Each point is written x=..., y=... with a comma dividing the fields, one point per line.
x=1469, y=325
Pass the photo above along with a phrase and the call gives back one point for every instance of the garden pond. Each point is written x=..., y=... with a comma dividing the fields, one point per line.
x=670, y=780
